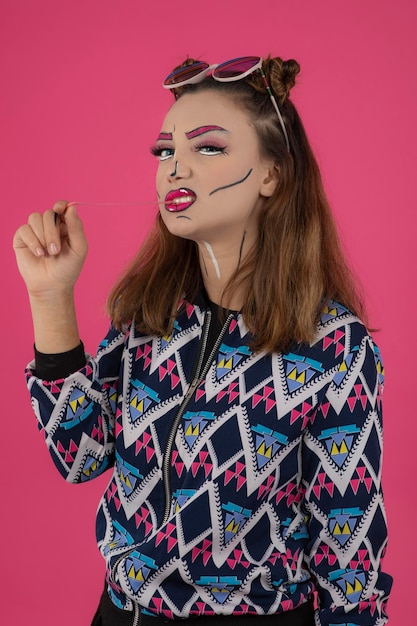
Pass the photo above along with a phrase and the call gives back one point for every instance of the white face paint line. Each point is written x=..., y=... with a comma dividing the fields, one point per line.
x=213, y=258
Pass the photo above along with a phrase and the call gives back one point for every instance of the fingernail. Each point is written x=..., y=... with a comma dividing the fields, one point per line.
x=39, y=251
x=52, y=248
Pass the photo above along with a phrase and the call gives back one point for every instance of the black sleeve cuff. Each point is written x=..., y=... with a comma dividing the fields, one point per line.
x=61, y=365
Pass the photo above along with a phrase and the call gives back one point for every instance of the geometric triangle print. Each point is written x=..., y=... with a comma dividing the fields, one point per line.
x=267, y=444
x=219, y=586
x=300, y=370
x=351, y=583
x=138, y=567
x=342, y=523
x=141, y=399
x=195, y=423
x=331, y=311
x=338, y=442
x=78, y=409
x=234, y=519
x=228, y=358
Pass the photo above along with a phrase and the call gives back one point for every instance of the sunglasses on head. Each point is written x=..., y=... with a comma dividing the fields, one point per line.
x=226, y=72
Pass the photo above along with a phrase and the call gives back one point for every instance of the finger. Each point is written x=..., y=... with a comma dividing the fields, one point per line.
x=60, y=206
x=26, y=238
x=51, y=229
x=74, y=230
x=35, y=222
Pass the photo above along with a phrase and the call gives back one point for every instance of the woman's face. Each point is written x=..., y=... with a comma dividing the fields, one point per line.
x=211, y=179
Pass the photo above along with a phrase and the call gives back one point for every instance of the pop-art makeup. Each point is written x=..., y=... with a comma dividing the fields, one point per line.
x=179, y=199
x=236, y=182
x=213, y=258
x=202, y=130
x=210, y=170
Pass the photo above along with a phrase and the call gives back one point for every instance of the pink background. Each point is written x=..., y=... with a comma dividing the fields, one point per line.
x=81, y=103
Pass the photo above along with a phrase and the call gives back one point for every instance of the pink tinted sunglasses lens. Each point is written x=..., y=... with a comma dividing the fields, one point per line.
x=235, y=67
x=185, y=73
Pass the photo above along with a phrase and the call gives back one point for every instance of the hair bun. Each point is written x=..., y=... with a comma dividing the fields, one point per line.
x=281, y=75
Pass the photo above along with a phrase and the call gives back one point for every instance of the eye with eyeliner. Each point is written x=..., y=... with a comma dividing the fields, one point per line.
x=207, y=148
x=210, y=148
x=162, y=152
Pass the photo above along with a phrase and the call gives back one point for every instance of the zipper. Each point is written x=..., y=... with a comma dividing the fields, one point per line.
x=199, y=375
x=166, y=462
x=136, y=614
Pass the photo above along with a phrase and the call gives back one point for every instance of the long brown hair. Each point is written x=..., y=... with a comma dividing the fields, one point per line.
x=297, y=265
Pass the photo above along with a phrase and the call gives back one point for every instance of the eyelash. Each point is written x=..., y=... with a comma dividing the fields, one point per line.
x=214, y=150
x=157, y=151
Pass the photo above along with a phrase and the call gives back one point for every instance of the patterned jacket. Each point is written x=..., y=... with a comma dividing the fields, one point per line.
x=245, y=486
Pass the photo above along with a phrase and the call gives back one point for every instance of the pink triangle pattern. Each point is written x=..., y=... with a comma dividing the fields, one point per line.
x=204, y=609
x=202, y=463
x=362, y=561
x=232, y=391
x=359, y=395
x=322, y=484
x=371, y=604
x=159, y=606
x=53, y=387
x=169, y=535
x=265, y=489
x=337, y=339
x=69, y=453
x=236, y=473
x=290, y=559
x=145, y=353
x=178, y=465
x=238, y=559
x=361, y=478
x=168, y=368
x=145, y=442
x=265, y=397
x=324, y=553
x=204, y=550
x=293, y=493
x=97, y=431
x=143, y=517
x=200, y=392
x=304, y=412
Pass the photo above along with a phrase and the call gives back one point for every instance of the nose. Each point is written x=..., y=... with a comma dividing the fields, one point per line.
x=179, y=169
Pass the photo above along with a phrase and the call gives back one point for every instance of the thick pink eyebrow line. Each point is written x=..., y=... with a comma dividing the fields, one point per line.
x=201, y=130
x=164, y=136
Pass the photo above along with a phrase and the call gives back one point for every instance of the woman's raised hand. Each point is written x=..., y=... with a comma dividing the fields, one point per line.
x=50, y=250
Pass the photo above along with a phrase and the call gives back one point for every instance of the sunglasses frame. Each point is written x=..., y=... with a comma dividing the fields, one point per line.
x=214, y=69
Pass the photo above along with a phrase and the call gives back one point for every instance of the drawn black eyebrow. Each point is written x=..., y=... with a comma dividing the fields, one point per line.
x=232, y=184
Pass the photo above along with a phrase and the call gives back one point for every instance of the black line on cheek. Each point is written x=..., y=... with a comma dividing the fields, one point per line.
x=184, y=217
x=242, y=180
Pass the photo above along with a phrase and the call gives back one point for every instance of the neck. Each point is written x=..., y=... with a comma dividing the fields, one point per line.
x=218, y=263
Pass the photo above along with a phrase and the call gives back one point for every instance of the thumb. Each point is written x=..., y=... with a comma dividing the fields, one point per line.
x=72, y=227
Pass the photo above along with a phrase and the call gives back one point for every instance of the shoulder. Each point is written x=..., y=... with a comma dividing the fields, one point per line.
x=343, y=340
x=337, y=323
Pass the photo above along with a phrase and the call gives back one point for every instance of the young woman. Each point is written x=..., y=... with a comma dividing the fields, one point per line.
x=237, y=396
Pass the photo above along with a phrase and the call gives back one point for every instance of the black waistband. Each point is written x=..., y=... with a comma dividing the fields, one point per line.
x=109, y=615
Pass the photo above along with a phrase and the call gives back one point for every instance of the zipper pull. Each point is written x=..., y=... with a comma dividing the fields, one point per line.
x=191, y=389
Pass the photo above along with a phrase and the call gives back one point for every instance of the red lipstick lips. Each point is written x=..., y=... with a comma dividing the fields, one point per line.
x=179, y=199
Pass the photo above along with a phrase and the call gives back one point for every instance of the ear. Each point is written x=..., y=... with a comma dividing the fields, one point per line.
x=270, y=181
